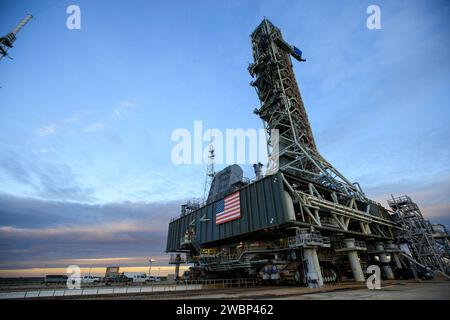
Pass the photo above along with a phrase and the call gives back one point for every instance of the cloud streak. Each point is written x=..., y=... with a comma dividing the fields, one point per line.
x=42, y=233
x=47, y=130
x=432, y=195
x=96, y=126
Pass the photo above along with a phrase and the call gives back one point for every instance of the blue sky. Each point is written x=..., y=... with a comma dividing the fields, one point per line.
x=86, y=115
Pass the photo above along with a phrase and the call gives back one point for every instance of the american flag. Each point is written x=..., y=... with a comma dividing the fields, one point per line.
x=228, y=209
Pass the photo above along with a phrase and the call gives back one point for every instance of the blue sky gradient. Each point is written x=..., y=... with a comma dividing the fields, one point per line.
x=86, y=115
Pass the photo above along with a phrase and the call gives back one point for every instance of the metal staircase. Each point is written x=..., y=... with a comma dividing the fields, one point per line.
x=418, y=234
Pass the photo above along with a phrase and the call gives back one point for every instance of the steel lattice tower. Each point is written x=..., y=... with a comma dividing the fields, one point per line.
x=418, y=233
x=209, y=171
x=7, y=41
x=282, y=108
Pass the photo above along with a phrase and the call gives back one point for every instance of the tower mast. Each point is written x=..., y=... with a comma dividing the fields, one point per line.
x=209, y=170
x=282, y=109
x=7, y=41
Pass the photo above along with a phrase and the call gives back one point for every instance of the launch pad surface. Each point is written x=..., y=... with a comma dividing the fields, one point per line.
x=390, y=290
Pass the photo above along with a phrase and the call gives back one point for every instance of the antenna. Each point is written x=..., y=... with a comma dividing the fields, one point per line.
x=7, y=41
x=209, y=170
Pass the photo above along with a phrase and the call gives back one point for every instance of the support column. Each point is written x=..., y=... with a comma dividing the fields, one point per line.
x=395, y=256
x=177, y=267
x=314, y=274
x=353, y=258
x=396, y=260
x=317, y=267
x=384, y=261
x=177, y=272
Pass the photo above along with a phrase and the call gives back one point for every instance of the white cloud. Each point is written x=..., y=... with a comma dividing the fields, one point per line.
x=47, y=150
x=74, y=117
x=47, y=130
x=94, y=127
x=122, y=110
x=126, y=104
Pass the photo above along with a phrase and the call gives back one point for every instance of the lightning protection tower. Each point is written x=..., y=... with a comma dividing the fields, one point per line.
x=282, y=108
x=209, y=171
x=7, y=41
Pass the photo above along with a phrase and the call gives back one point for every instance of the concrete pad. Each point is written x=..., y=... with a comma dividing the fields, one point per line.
x=32, y=294
x=105, y=291
x=89, y=291
x=58, y=293
x=48, y=293
x=13, y=295
x=75, y=292
x=120, y=290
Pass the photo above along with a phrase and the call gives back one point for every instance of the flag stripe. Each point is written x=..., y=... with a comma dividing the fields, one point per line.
x=234, y=206
x=229, y=203
x=233, y=196
x=228, y=219
x=227, y=216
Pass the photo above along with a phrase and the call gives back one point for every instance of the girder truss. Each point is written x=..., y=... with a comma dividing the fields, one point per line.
x=338, y=214
x=418, y=233
x=282, y=109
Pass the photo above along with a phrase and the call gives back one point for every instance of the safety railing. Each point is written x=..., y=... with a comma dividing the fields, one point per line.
x=179, y=286
x=303, y=239
x=359, y=245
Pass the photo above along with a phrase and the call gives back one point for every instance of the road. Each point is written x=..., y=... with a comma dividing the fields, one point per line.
x=410, y=291
x=394, y=290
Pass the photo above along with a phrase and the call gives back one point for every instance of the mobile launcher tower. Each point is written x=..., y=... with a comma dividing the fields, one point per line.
x=304, y=223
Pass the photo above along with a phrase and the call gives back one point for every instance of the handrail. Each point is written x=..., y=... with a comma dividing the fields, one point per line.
x=181, y=285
